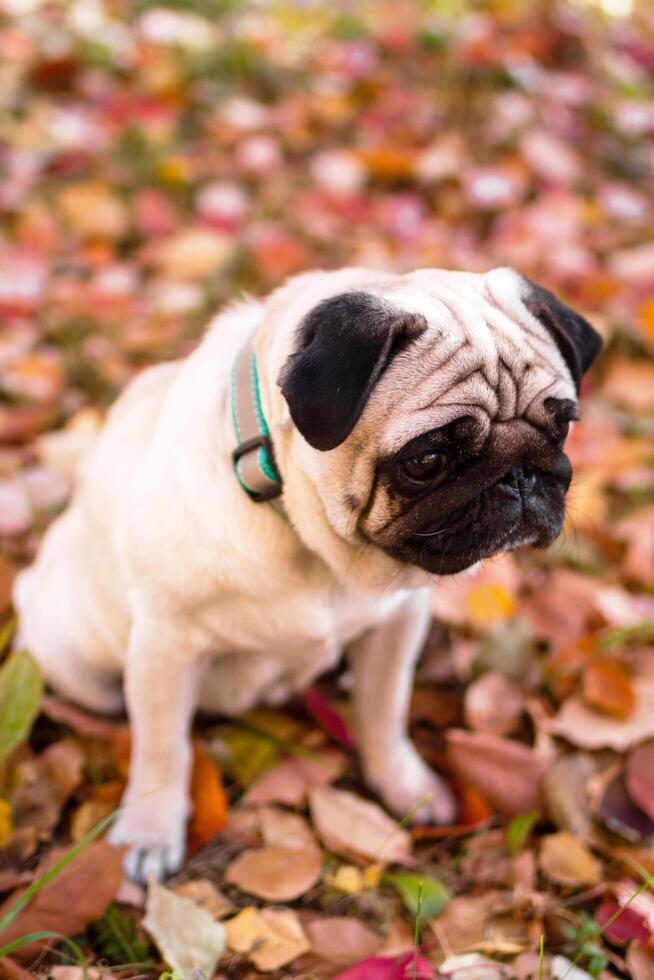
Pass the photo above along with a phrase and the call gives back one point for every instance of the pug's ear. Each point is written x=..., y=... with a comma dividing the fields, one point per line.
x=578, y=342
x=342, y=348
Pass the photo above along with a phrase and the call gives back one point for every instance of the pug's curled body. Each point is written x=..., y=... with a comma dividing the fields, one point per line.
x=417, y=422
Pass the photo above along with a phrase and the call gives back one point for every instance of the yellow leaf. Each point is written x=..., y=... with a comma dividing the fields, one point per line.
x=6, y=825
x=489, y=604
x=347, y=879
x=271, y=938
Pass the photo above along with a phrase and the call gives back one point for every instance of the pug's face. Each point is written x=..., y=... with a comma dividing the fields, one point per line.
x=437, y=406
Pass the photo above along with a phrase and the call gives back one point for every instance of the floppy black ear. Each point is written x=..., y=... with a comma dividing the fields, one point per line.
x=578, y=342
x=343, y=345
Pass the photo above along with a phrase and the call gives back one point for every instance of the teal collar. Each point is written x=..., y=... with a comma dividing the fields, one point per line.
x=253, y=457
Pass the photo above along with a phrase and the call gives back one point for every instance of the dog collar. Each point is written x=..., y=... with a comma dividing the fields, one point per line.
x=253, y=458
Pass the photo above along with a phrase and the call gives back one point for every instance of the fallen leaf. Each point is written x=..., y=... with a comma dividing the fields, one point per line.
x=615, y=808
x=329, y=719
x=640, y=965
x=589, y=729
x=89, y=882
x=639, y=774
x=621, y=926
x=42, y=786
x=208, y=800
x=277, y=874
x=271, y=938
x=357, y=828
x=79, y=721
x=21, y=687
x=94, y=210
x=567, y=861
x=493, y=704
x=631, y=384
x=188, y=937
x=6, y=824
x=488, y=604
x=390, y=968
x=423, y=896
x=463, y=922
x=285, y=829
x=205, y=894
x=341, y=940
x=564, y=792
x=508, y=773
x=290, y=781
x=607, y=687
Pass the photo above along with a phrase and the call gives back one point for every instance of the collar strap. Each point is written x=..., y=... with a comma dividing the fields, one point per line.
x=253, y=458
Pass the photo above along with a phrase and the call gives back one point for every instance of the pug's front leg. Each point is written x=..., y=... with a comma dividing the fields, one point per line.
x=382, y=663
x=160, y=690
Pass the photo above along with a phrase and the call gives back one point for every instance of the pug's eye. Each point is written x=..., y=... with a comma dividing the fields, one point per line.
x=426, y=467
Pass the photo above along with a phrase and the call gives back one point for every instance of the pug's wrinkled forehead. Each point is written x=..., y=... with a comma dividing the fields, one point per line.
x=482, y=354
x=401, y=354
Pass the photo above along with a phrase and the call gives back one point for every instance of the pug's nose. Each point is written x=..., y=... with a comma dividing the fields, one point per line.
x=518, y=482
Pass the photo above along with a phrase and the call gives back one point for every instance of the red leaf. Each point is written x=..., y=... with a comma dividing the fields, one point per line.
x=329, y=719
x=390, y=968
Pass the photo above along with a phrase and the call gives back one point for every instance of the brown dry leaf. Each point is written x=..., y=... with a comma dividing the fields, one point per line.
x=90, y=882
x=205, y=894
x=103, y=800
x=639, y=774
x=565, y=795
x=188, y=937
x=508, y=773
x=493, y=704
x=7, y=576
x=208, y=800
x=567, y=861
x=44, y=784
x=357, y=828
x=399, y=939
x=277, y=874
x=271, y=938
x=608, y=688
x=462, y=925
x=342, y=940
x=290, y=781
x=285, y=829
x=588, y=729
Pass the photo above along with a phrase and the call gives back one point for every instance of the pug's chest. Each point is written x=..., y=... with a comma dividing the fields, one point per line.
x=290, y=625
x=279, y=648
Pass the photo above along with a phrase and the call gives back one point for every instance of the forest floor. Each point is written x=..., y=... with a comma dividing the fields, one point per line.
x=158, y=160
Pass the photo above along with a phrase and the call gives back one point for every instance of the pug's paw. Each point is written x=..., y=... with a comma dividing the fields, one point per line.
x=409, y=788
x=155, y=831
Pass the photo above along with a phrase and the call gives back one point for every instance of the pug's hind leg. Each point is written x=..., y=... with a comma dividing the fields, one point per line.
x=382, y=662
x=160, y=689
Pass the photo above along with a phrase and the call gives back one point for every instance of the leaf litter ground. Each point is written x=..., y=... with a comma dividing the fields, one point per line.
x=160, y=159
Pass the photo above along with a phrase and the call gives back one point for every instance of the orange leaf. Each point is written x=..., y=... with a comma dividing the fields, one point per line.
x=565, y=666
x=607, y=687
x=646, y=318
x=208, y=800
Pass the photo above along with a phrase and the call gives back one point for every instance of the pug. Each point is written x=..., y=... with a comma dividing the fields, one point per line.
x=291, y=490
